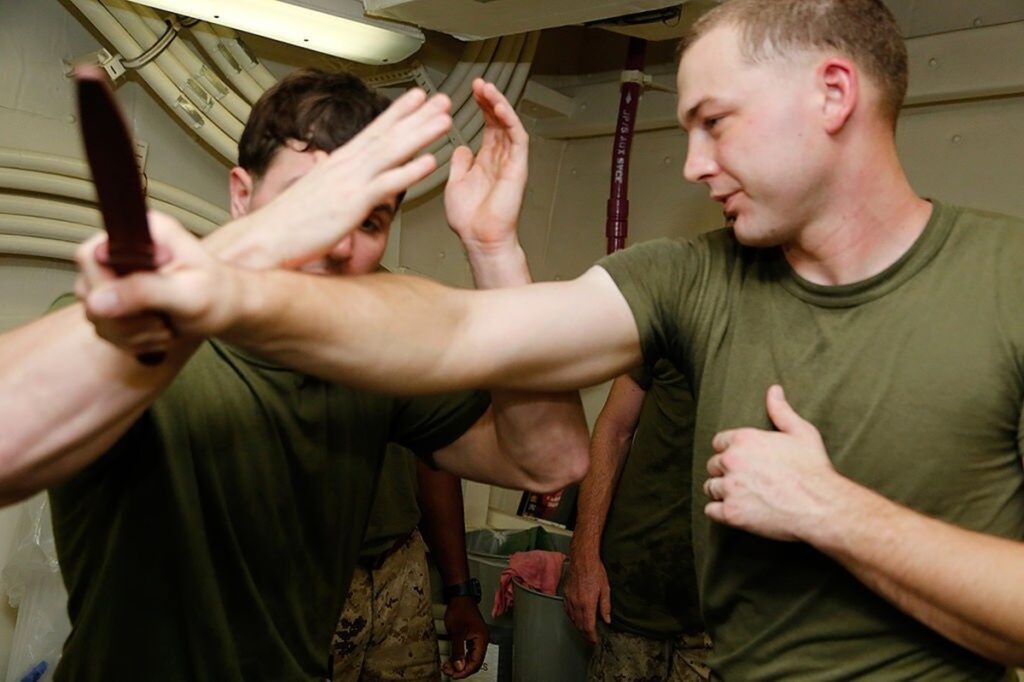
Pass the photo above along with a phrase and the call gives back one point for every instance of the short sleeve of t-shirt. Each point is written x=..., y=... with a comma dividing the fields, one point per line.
x=664, y=282
x=428, y=423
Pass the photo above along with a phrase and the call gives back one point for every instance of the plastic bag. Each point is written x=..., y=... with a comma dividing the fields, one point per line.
x=31, y=579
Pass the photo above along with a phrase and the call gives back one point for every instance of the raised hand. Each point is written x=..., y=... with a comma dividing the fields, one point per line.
x=485, y=193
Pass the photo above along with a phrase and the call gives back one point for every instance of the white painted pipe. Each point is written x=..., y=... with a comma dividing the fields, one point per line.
x=40, y=207
x=165, y=88
x=469, y=120
x=457, y=75
x=462, y=90
x=133, y=27
x=147, y=27
x=74, y=168
x=218, y=51
x=44, y=228
x=245, y=58
x=462, y=96
x=83, y=190
x=515, y=76
x=37, y=248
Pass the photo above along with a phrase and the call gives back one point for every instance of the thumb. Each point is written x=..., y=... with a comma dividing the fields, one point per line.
x=782, y=413
x=142, y=292
x=460, y=163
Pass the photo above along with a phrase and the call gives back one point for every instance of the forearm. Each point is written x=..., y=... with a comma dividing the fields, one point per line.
x=408, y=335
x=443, y=523
x=609, y=448
x=66, y=396
x=498, y=267
x=253, y=241
x=963, y=584
x=543, y=434
x=243, y=244
x=608, y=452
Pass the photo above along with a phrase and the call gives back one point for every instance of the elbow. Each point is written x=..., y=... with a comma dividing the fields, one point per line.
x=568, y=463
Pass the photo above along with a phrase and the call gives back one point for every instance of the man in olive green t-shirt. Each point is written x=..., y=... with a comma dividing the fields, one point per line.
x=866, y=523
x=208, y=512
x=631, y=563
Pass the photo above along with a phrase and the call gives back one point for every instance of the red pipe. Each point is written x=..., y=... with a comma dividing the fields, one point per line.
x=617, y=226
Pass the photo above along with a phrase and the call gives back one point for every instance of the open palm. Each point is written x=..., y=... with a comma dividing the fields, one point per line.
x=485, y=193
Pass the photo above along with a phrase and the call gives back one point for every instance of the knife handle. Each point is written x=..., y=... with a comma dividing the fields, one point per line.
x=127, y=265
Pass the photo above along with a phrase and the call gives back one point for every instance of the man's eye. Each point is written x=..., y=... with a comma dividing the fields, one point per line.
x=369, y=226
x=711, y=121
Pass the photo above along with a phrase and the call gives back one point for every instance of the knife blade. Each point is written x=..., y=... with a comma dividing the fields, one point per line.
x=122, y=203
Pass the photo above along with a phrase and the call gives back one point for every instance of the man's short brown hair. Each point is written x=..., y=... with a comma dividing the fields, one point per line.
x=864, y=30
x=324, y=110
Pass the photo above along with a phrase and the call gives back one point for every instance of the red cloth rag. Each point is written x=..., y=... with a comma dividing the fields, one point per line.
x=538, y=570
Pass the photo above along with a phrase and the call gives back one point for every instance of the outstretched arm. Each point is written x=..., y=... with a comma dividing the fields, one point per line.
x=395, y=333
x=392, y=333
x=587, y=592
x=963, y=584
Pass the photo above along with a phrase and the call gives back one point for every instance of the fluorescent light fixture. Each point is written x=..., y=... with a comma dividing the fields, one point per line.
x=334, y=27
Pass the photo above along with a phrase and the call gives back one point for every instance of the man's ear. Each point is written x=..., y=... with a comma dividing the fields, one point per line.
x=840, y=83
x=241, y=186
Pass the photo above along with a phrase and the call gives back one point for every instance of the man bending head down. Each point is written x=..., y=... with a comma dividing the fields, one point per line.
x=294, y=126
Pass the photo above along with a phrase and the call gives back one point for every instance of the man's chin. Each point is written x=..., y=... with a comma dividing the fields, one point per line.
x=753, y=237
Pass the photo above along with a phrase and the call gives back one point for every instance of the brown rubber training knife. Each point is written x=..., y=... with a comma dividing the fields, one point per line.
x=108, y=146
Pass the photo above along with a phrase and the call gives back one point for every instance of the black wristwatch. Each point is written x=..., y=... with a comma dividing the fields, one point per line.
x=470, y=588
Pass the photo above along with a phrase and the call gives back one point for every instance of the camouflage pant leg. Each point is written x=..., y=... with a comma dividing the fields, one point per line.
x=690, y=659
x=403, y=644
x=625, y=657
x=352, y=634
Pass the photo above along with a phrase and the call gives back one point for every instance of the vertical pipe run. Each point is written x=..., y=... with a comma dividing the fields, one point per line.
x=617, y=225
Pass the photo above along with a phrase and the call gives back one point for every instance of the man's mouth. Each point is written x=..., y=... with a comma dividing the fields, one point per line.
x=728, y=210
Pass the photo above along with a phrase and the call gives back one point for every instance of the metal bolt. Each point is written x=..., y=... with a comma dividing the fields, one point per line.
x=933, y=62
x=957, y=139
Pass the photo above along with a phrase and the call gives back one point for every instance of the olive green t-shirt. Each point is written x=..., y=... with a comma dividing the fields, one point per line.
x=216, y=539
x=646, y=544
x=913, y=377
x=395, y=509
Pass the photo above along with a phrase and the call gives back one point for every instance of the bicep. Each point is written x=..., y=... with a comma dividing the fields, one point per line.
x=552, y=336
